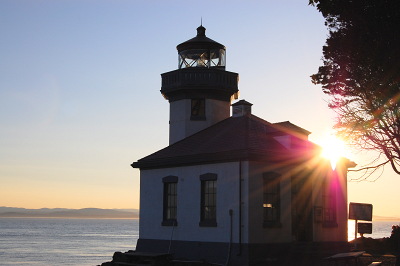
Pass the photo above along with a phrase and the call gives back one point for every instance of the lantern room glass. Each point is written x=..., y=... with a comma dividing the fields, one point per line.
x=201, y=58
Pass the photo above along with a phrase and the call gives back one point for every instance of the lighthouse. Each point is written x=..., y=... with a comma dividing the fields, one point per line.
x=200, y=91
x=234, y=189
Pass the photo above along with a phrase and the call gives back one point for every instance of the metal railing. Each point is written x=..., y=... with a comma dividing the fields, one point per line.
x=189, y=77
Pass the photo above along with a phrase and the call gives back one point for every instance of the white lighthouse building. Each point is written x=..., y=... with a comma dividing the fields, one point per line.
x=231, y=186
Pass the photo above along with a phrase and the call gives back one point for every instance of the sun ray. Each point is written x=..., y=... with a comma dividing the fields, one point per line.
x=332, y=149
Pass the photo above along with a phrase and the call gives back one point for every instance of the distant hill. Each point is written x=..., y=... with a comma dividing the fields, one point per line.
x=88, y=213
x=385, y=218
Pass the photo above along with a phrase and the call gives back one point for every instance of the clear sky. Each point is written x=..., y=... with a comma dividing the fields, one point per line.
x=80, y=81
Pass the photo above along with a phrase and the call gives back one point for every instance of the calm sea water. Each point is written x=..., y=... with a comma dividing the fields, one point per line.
x=85, y=242
x=69, y=242
x=380, y=229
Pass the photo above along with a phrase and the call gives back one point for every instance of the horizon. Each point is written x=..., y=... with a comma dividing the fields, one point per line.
x=374, y=215
x=70, y=208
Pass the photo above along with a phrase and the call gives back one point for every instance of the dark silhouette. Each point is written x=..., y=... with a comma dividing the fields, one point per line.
x=395, y=242
x=361, y=73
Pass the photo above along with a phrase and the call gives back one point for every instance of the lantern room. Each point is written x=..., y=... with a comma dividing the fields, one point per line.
x=200, y=91
x=201, y=51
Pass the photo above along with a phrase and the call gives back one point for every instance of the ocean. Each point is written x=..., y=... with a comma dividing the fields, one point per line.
x=380, y=229
x=67, y=242
x=85, y=242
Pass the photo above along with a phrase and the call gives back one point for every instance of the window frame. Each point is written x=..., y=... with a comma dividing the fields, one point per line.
x=271, y=195
x=329, y=215
x=208, y=199
x=198, y=105
x=170, y=200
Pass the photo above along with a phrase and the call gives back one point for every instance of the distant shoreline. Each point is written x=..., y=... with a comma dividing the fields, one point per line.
x=82, y=218
x=97, y=213
x=384, y=218
x=87, y=213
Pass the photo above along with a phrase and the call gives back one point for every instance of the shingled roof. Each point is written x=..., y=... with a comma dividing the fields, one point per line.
x=236, y=138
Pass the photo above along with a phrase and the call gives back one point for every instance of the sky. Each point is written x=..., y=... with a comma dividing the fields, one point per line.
x=80, y=90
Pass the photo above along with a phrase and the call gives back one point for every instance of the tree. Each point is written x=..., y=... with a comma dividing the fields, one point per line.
x=361, y=73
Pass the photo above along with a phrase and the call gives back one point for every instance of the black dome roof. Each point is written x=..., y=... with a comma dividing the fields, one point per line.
x=200, y=42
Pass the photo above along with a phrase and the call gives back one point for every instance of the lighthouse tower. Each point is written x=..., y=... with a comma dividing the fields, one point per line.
x=200, y=91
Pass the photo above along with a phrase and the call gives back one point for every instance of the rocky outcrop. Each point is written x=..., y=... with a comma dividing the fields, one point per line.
x=133, y=258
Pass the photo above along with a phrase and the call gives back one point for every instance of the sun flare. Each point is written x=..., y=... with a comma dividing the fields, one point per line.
x=332, y=149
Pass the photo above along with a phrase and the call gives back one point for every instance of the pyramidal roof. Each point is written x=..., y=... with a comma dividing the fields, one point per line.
x=236, y=138
x=200, y=41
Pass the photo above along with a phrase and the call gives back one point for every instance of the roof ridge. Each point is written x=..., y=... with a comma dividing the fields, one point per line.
x=291, y=127
x=188, y=137
x=254, y=117
x=232, y=139
x=199, y=132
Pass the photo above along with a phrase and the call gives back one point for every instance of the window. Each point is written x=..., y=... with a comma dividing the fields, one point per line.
x=194, y=58
x=318, y=214
x=201, y=58
x=329, y=205
x=208, y=205
x=170, y=201
x=271, y=199
x=198, y=109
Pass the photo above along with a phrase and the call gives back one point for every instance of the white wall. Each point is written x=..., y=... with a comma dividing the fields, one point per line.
x=180, y=124
x=339, y=233
x=252, y=230
x=318, y=172
x=188, y=206
x=258, y=233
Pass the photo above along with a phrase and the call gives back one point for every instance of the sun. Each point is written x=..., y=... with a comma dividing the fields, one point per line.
x=332, y=149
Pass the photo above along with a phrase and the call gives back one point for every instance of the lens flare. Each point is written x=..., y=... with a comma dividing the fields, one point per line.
x=332, y=149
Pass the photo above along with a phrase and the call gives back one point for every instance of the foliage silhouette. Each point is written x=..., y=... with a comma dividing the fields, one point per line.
x=361, y=74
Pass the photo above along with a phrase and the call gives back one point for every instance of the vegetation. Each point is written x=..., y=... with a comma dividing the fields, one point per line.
x=361, y=74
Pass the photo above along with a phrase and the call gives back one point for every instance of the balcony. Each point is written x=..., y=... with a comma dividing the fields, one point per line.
x=203, y=82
